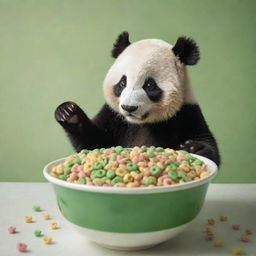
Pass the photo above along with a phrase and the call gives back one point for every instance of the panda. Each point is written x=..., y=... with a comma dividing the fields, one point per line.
x=149, y=101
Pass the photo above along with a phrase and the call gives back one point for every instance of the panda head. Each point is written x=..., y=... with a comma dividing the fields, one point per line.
x=148, y=81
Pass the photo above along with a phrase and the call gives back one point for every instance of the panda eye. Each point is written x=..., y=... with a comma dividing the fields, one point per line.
x=122, y=82
x=149, y=84
x=119, y=87
x=152, y=90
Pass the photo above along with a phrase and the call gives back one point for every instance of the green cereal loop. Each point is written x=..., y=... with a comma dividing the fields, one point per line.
x=168, y=154
x=100, y=173
x=70, y=164
x=117, y=179
x=131, y=166
x=185, y=162
x=82, y=180
x=143, y=148
x=173, y=175
x=155, y=170
x=150, y=153
x=159, y=149
x=85, y=151
x=37, y=232
x=102, y=150
x=93, y=175
x=96, y=150
x=186, y=178
x=181, y=174
x=112, y=159
x=77, y=160
x=63, y=177
x=193, y=168
x=183, y=151
x=36, y=208
x=104, y=162
x=67, y=170
x=190, y=158
x=110, y=174
x=104, y=179
x=175, y=163
x=118, y=149
x=198, y=162
x=152, y=148
x=97, y=165
x=173, y=167
x=147, y=181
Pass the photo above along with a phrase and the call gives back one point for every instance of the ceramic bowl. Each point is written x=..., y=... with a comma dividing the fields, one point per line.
x=130, y=218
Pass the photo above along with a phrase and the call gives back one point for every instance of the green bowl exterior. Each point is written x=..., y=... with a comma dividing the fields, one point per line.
x=129, y=213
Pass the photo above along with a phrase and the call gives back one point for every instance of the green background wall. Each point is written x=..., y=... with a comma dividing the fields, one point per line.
x=53, y=51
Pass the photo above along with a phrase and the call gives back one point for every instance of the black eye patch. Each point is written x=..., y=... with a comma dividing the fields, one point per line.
x=153, y=91
x=118, y=88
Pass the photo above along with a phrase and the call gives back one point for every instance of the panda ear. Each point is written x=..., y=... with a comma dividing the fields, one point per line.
x=187, y=51
x=121, y=43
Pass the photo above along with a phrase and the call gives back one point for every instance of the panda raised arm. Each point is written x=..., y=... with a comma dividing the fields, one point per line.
x=149, y=101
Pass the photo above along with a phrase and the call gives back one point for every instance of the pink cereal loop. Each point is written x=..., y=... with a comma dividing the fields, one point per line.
x=81, y=174
x=12, y=229
x=181, y=157
x=87, y=173
x=121, y=161
x=167, y=181
x=73, y=176
x=74, y=168
x=119, y=185
x=21, y=247
x=80, y=168
x=107, y=151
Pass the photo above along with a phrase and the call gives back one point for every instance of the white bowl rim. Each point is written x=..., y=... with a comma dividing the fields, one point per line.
x=210, y=166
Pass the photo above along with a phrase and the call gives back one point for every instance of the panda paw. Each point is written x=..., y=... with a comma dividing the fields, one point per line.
x=196, y=147
x=69, y=114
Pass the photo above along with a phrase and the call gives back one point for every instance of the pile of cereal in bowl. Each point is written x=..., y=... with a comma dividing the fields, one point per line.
x=130, y=167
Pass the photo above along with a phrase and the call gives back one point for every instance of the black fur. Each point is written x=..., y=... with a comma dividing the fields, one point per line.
x=153, y=91
x=186, y=130
x=121, y=43
x=187, y=51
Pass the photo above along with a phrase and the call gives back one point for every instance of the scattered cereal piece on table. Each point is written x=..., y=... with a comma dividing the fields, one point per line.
x=36, y=208
x=223, y=218
x=47, y=240
x=37, y=232
x=21, y=247
x=248, y=231
x=211, y=221
x=12, y=229
x=53, y=225
x=218, y=243
x=28, y=219
x=209, y=236
x=244, y=238
x=236, y=250
x=209, y=230
x=46, y=216
x=236, y=226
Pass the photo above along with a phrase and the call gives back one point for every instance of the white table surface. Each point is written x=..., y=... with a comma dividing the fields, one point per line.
x=237, y=201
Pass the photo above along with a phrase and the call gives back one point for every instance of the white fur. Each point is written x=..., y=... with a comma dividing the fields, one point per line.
x=149, y=58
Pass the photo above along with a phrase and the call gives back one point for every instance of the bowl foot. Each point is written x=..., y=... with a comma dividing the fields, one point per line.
x=123, y=248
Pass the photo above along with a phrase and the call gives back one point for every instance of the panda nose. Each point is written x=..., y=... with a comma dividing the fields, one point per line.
x=129, y=108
